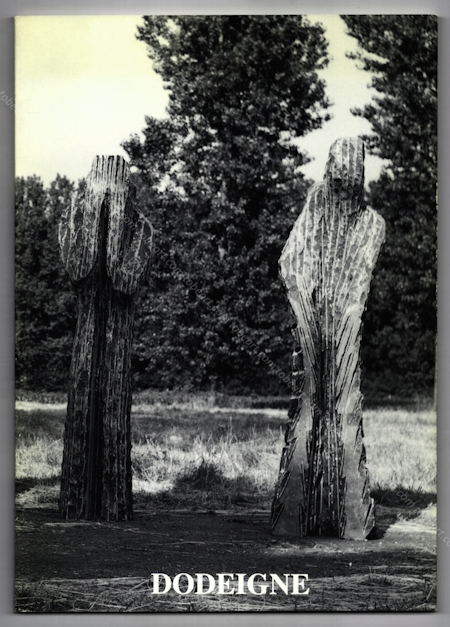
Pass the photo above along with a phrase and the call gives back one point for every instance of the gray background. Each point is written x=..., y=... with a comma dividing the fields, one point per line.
x=10, y=8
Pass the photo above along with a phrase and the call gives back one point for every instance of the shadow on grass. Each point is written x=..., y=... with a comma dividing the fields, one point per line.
x=39, y=423
x=399, y=503
x=205, y=487
x=27, y=483
x=201, y=488
x=403, y=497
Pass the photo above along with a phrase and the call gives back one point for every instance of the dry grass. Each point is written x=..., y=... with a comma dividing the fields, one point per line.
x=224, y=467
x=401, y=448
x=197, y=456
x=38, y=458
x=375, y=591
x=173, y=447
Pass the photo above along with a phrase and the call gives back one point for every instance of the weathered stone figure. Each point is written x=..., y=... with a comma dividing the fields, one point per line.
x=105, y=247
x=326, y=266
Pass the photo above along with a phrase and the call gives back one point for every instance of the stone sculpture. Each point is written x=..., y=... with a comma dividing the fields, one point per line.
x=326, y=266
x=105, y=246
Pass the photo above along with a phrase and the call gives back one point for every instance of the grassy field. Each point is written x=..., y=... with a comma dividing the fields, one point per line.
x=194, y=453
x=193, y=456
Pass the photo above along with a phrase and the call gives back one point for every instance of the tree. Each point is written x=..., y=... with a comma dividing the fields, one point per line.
x=220, y=179
x=45, y=306
x=400, y=327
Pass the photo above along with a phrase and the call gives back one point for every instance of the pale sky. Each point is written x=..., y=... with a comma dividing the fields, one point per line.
x=84, y=84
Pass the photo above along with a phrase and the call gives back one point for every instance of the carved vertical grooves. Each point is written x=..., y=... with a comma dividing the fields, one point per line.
x=326, y=266
x=105, y=246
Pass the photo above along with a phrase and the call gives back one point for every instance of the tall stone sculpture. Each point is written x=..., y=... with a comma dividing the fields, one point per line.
x=105, y=246
x=326, y=266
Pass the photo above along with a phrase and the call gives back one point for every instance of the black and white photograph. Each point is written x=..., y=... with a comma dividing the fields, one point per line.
x=226, y=313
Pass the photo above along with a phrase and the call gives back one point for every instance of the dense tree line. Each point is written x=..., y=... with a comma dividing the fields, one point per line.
x=218, y=178
x=401, y=322
x=45, y=303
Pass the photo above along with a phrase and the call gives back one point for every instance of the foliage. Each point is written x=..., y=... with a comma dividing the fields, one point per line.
x=400, y=327
x=45, y=303
x=220, y=181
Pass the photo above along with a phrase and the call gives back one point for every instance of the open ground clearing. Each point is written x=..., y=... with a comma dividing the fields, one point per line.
x=203, y=482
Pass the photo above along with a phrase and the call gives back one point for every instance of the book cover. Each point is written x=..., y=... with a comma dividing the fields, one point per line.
x=226, y=313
